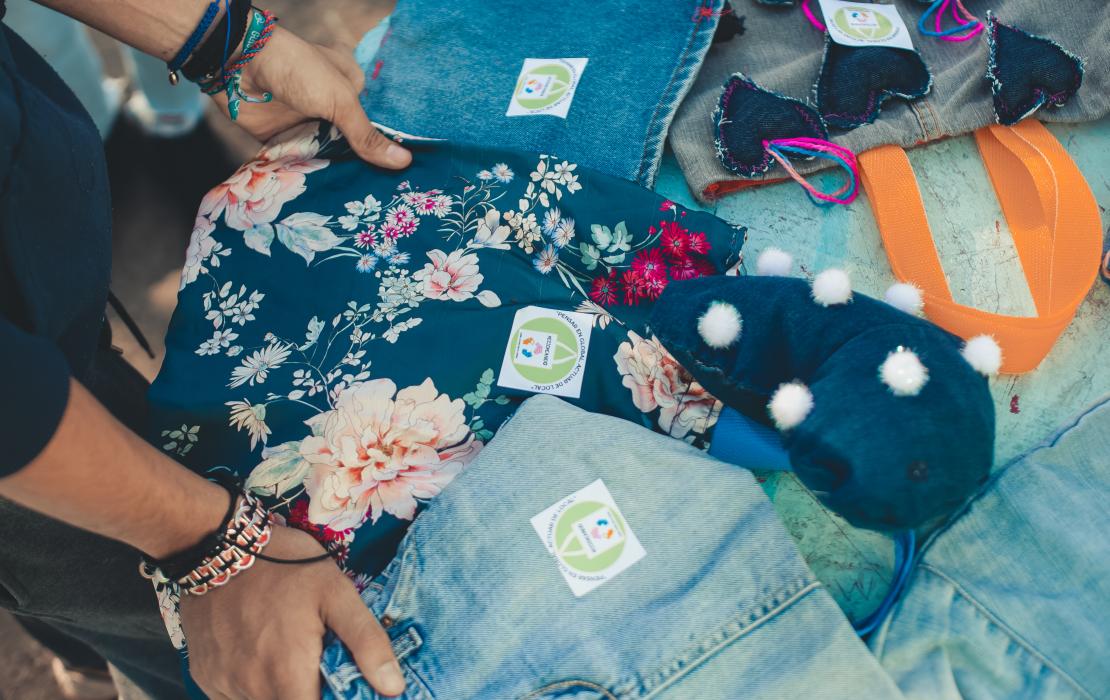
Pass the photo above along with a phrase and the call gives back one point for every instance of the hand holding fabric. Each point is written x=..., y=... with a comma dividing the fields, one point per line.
x=262, y=635
x=309, y=81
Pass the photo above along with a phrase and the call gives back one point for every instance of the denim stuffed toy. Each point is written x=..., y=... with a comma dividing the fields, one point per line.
x=883, y=414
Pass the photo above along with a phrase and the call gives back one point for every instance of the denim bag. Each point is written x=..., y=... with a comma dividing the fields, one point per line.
x=449, y=69
x=720, y=606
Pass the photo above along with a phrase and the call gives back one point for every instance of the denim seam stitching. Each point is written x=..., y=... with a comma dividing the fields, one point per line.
x=1011, y=633
x=653, y=143
x=731, y=639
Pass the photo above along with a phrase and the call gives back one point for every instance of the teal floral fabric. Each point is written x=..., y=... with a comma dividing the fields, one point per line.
x=340, y=328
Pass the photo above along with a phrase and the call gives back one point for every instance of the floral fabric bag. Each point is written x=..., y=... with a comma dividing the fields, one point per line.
x=340, y=330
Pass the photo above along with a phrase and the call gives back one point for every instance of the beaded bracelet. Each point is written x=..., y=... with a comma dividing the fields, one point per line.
x=259, y=30
x=230, y=550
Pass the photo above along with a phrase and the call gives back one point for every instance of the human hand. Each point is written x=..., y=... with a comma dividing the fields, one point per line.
x=261, y=635
x=311, y=82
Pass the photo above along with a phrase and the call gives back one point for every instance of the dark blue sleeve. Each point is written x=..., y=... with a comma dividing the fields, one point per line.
x=36, y=374
x=36, y=390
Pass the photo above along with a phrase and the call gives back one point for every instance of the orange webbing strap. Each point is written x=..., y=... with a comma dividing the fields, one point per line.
x=1052, y=216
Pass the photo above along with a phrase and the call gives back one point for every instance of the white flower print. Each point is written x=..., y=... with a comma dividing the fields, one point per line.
x=201, y=246
x=547, y=259
x=502, y=173
x=551, y=220
x=485, y=175
x=349, y=222
x=219, y=340
x=256, y=367
x=564, y=233
x=491, y=233
x=252, y=418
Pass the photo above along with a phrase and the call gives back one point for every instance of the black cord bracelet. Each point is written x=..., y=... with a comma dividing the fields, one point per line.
x=209, y=58
x=177, y=565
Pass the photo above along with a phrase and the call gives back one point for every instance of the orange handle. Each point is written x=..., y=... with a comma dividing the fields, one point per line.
x=1052, y=216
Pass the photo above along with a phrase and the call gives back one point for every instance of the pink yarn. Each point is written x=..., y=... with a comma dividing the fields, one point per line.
x=957, y=7
x=810, y=16
x=845, y=156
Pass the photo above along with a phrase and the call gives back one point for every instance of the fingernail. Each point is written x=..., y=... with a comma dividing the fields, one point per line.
x=389, y=678
x=397, y=155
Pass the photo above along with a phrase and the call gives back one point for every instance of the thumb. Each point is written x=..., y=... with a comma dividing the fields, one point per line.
x=347, y=616
x=368, y=142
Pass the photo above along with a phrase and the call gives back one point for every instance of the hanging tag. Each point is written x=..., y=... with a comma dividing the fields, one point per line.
x=865, y=24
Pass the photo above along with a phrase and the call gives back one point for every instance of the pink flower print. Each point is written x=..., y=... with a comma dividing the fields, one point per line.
x=366, y=239
x=256, y=192
x=657, y=381
x=381, y=451
x=455, y=276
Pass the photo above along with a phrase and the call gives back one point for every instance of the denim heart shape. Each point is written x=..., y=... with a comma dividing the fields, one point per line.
x=1028, y=71
x=855, y=81
x=748, y=116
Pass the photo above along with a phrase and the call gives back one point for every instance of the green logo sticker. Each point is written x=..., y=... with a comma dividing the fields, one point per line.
x=546, y=86
x=543, y=86
x=863, y=23
x=588, y=537
x=546, y=352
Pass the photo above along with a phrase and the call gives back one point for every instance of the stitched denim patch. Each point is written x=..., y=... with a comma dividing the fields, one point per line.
x=1028, y=71
x=749, y=115
x=856, y=81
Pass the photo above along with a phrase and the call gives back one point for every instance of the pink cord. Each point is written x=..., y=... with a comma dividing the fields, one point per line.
x=814, y=147
x=958, y=5
x=811, y=17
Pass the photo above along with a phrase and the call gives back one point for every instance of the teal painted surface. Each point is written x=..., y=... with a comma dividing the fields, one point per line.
x=977, y=252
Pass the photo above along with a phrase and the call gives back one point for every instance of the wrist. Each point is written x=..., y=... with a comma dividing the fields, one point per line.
x=194, y=511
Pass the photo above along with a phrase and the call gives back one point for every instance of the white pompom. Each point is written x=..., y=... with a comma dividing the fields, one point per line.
x=790, y=405
x=903, y=372
x=832, y=287
x=774, y=262
x=983, y=354
x=720, y=325
x=905, y=297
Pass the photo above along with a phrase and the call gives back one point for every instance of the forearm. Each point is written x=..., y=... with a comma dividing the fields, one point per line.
x=98, y=475
x=156, y=27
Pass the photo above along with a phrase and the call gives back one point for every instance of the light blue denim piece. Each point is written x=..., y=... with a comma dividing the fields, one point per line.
x=448, y=68
x=1012, y=600
x=721, y=607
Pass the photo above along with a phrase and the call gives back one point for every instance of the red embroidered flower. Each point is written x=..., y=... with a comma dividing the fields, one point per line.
x=698, y=243
x=705, y=268
x=685, y=270
x=667, y=204
x=653, y=287
x=606, y=290
x=674, y=241
x=632, y=283
x=649, y=264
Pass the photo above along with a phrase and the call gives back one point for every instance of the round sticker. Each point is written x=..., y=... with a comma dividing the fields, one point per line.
x=863, y=24
x=545, y=350
x=610, y=526
x=543, y=86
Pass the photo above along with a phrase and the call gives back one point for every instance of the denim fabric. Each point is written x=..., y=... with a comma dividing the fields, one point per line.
x=749, y=116
x=881, y=460
x=721, y=607
x=1013, y=598
x=782, y=52
x=1028, y=71
x=448, y=68
x=856, y=81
